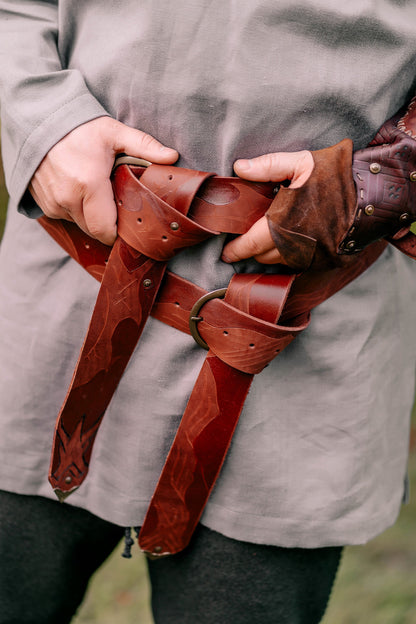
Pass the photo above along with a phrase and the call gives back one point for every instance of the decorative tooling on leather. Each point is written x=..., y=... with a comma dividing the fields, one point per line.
x=207, y=426
x=116, y=324
x=244, y=332
x=407, y=123
x=350, y=200
x=130, y=283
x=385, y=177
x=195, y=458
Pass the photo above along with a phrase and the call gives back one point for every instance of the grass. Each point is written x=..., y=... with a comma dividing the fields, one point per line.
x=119, y=592
x=376, y=583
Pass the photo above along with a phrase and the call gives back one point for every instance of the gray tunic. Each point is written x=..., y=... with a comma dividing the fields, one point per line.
x=319, y=456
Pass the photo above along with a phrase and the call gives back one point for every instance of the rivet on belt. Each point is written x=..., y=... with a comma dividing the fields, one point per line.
x=351, y=245
x=405, y=217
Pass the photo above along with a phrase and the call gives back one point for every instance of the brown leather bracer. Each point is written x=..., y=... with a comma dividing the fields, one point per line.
x=385, y=177
x=350, y=200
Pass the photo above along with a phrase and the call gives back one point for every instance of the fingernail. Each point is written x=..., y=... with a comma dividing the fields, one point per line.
x=244, y=163
x=163, y=148
x=225, y=258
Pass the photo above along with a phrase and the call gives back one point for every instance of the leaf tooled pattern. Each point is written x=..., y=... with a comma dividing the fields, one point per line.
x=195, y=458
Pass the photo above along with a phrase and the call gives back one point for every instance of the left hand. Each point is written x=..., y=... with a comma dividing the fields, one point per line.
x=73, y=180
x=257, y=242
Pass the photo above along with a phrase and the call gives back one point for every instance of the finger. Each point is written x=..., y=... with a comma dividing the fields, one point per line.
x=137, y=143
x=100, y=213
x=276, y=167
x=53, y=209
x=255, y=242
x=271, y=257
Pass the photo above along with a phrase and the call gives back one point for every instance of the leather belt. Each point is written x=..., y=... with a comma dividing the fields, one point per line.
x=162, y=210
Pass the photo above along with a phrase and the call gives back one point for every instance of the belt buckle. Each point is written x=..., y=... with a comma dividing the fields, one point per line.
x=124, y=159
x=194, y=317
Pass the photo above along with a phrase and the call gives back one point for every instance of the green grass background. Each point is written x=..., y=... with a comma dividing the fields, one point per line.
x=376, y=583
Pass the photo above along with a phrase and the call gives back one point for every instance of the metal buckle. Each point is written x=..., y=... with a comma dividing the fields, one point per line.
x=194, y=318
x=123, y=159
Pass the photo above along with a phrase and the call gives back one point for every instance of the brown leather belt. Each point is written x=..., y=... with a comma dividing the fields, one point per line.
x=162, y=210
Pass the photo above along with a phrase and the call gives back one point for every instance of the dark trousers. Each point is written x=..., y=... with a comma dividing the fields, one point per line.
x=48, y=552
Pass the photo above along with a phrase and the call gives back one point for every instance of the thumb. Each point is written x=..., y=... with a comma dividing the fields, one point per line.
x=137, y=143
x=276, y=167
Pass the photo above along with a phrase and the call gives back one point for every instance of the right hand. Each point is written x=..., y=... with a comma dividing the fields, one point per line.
x=257, y=242
x=73, y=180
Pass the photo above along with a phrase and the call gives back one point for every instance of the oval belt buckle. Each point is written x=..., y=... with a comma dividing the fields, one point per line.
x=194, y=317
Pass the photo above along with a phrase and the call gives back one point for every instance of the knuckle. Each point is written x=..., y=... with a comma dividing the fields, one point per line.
x=53, y=212
x=247, y=245
x=303, y=167
x=82, y=186
x=305, y=158
x=96, y=229
x=69, y=192
x=254, y=247
x=109, y=126
x=270, y=162
x=110, y=122
x=64, y=198
x=147, y=141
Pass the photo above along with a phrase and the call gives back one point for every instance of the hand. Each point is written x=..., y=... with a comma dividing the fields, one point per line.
x=257, y=242
x=73, y=180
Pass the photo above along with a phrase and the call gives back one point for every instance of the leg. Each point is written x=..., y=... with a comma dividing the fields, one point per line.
x=217, y=579
x=48, y=552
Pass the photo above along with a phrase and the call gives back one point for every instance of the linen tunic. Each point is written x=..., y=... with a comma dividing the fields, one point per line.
x=319, y=456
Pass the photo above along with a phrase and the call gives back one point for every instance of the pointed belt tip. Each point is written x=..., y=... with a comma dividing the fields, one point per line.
x=63, y=495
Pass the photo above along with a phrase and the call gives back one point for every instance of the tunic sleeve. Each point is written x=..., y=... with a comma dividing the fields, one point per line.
x=40, y=100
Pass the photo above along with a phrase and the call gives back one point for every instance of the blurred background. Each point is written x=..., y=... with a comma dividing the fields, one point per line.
x=376, y=583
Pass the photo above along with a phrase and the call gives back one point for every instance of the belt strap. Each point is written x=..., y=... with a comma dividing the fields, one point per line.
x=162, y=210
x=205, y=431
x=150, y=232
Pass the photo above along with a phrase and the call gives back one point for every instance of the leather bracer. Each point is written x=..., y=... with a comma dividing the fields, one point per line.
x=350, y=200
x=385, y=177
x=308, y=223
